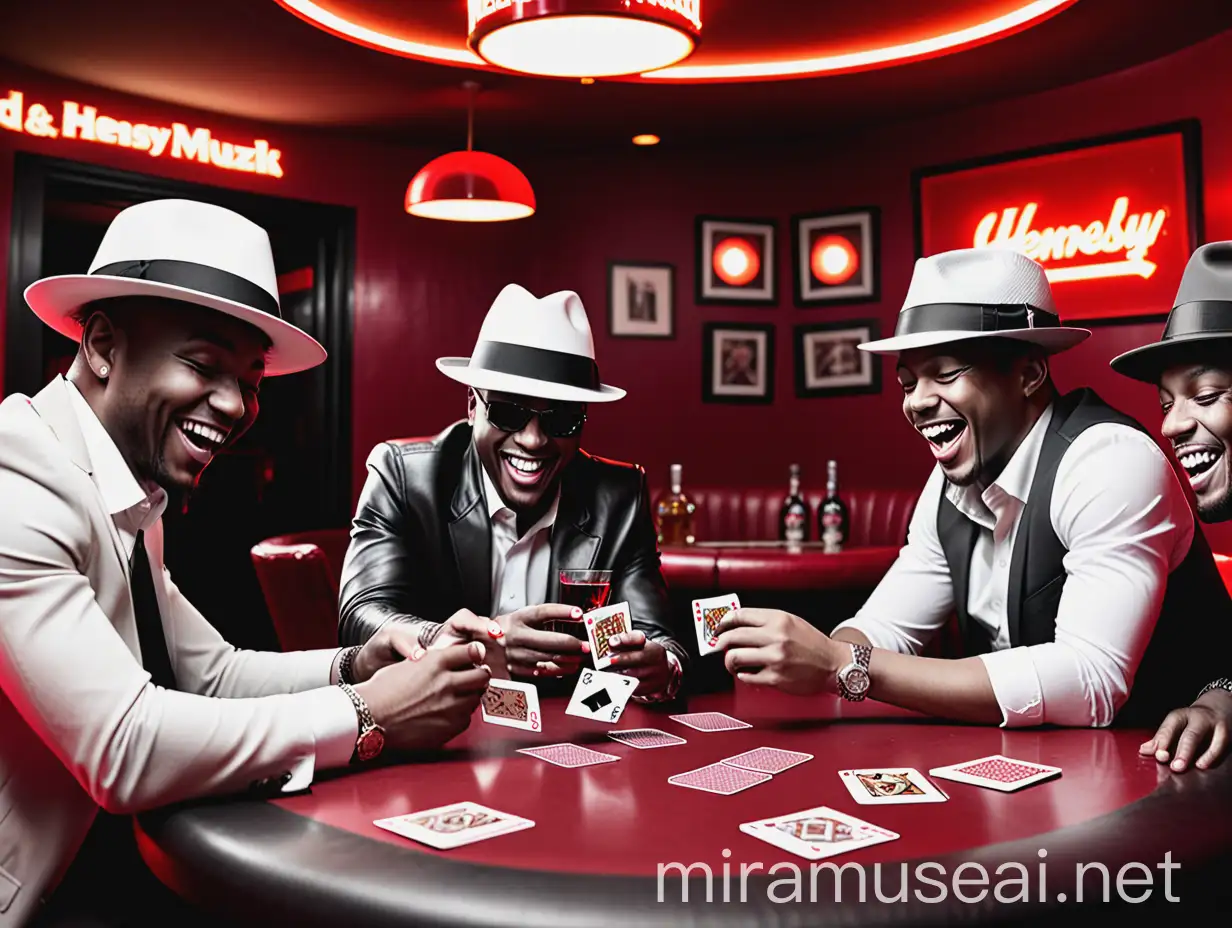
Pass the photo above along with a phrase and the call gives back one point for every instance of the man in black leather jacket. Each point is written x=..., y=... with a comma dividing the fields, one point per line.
x=481, y=520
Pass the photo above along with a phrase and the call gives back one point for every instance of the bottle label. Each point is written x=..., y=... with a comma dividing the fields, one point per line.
x=794, y=527
x=832, y=520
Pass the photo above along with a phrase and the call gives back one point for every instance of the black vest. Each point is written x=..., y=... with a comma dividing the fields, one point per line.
x=1191, y=635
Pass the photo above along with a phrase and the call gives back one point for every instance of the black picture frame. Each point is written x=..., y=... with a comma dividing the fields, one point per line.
x=868, y=289
x=1190, y=131
x=714, y=392
x=708, y=292
x=867, y=381
x=619, y=321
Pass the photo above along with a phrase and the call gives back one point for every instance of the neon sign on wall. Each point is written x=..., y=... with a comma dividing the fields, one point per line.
x=1112, y=221
x=85, y=123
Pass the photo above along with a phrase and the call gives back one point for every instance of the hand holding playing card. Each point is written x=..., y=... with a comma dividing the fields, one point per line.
x=530, y=651
x=765, y=647
x=646, y=661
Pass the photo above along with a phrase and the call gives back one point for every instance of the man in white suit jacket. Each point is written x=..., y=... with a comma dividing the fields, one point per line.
x=114, y=691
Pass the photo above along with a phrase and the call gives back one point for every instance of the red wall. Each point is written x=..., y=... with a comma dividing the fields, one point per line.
x=422, y=287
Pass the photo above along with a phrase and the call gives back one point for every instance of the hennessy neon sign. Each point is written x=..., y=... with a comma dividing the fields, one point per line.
x=87, y=124
x=1121, y=243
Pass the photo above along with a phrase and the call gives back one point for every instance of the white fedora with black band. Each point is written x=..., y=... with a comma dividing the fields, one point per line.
x=534, y=347
x=1200, y=321
x=971, y=293
x=187, y=251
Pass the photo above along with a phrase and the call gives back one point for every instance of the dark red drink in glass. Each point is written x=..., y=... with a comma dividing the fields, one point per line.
x=586, y=589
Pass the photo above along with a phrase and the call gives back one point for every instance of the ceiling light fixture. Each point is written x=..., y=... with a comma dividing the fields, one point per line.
x=583, y=38
x=470, y=186
x=646, y=139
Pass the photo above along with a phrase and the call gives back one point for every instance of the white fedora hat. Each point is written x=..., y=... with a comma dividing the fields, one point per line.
x=188, y=251
x=978, y=293
x=534, y=347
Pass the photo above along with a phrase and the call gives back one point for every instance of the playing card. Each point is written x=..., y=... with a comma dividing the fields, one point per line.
x=600, y=695
x=569, y=755
x=879, y=786
x=719, y=778
x=454, y=825
x=512, y=703
x=767, y=760
x=645, y=738
x=707, y=614
x=997, y=772
x=818, y=833
x=709, y=721
x=601, y=626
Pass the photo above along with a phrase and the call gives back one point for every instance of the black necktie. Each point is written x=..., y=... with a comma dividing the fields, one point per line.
x=149, y=621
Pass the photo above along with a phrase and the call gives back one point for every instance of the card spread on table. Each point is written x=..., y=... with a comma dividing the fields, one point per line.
x=645, y=738
x=879, y=786
x=767, y=760
x=569, y=755
x=601, y=626
x=719, y=778
x=818, y=833
x=512, y=703
x=997, y=772
x=709, y=721
x=600, y=695
x=707, y=614
x=454, y=825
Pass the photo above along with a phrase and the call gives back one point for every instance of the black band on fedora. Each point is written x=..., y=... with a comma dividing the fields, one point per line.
x=1199, y=318
x=199, y=277
x=571, y=370
x=973, y=317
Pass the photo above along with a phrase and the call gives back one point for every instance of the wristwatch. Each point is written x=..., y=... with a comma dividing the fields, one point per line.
x=1223, y=683
x=854, y=679
x=371, y=739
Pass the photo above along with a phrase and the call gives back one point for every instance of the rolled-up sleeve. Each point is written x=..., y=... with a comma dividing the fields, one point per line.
x=1124, y=520
x=916, y=596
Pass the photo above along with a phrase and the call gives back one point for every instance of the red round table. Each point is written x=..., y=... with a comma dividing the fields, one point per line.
x=602, y=832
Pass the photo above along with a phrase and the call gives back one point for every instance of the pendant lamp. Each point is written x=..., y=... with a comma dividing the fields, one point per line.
x=470, y=186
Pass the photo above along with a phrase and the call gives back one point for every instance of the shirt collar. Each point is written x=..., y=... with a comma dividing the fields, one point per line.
x=115, y=481
x=497, y=507
x=1015, y=479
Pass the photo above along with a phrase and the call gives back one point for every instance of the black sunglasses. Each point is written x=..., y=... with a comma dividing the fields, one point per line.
x=511, y=417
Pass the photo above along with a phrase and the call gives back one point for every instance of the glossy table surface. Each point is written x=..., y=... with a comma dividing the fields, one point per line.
x=723, y=566
x=602, y=832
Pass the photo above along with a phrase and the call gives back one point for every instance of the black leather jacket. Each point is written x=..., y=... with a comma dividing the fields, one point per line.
x=421, y=540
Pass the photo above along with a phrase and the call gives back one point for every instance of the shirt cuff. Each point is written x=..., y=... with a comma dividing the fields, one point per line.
x=673, y=682
x=334, y=729
x=874, y=639
x=1016, y=686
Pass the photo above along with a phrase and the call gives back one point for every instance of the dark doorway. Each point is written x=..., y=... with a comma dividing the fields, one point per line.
x=291, y=472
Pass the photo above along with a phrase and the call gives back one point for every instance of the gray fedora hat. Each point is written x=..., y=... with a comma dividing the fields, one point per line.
x=1200, y=320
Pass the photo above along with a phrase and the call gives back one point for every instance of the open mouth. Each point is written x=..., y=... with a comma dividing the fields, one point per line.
x=525, y=470
x=1198, y=462
x=943, y=437
x=200, y=438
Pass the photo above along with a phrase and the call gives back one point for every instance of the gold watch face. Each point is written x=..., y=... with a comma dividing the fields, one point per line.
x=370, y=744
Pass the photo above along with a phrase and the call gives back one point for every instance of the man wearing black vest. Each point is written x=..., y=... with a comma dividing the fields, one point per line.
x=1053, y=527
x=1191, y=366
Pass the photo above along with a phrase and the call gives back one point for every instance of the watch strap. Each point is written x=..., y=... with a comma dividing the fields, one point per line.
x=1223, y=683
x=364, y=715
x=861, y=655
x=346, y=664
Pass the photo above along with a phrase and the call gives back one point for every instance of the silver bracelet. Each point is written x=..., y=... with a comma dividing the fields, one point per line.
x=1223, y=683
x=346, y=664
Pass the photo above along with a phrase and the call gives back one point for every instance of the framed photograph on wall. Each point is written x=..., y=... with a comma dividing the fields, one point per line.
x=829, y=363
x=735, y=262
x=1111, y=219
x=737, y=363
x=836, y=257
x=641, y=299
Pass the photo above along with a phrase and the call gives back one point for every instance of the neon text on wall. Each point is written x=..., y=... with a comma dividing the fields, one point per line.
x=86, y=124
x=1126, y=234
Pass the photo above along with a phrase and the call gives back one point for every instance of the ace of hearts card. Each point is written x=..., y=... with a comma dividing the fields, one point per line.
x=818, y=833
x=601, y=626
x=600, y=695
x=707, y=614
x=880, y=786
x=512, y=703
x=454, y=825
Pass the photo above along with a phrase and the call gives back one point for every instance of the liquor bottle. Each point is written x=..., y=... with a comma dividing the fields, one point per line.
x=794, y=516
x=674, y=513
x=832, y=514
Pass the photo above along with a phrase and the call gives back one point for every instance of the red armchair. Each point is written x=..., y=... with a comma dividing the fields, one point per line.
x=299, y=577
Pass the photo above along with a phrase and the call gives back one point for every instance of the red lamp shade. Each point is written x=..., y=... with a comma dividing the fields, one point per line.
x=470, y=186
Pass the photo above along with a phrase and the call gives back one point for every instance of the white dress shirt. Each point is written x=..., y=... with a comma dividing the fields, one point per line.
x=135, y=508
x=1123, y=517
x=520, y=565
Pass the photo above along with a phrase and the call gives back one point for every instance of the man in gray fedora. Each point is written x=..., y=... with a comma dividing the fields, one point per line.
x=1191, y=365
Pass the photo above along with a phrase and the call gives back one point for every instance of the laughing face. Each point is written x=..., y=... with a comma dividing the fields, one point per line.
x=524, y=465
x=1196, y=400
x=973, y=403
x=182, y=383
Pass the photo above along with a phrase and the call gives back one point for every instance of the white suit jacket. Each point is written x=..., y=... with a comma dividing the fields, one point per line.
x=81, y=725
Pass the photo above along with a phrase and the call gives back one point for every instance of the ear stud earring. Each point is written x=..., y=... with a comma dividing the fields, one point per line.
x=102, y=371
